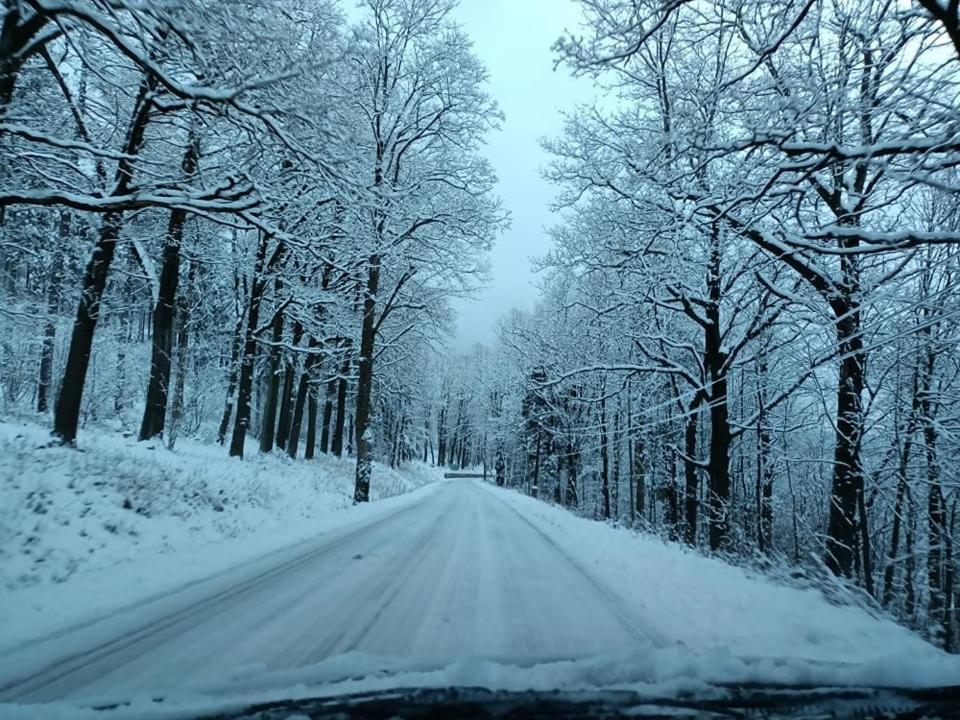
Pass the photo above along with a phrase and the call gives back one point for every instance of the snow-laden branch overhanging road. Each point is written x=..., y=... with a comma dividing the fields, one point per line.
x=467, y=571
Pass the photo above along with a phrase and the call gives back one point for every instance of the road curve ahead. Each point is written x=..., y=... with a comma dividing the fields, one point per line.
x=459, y=574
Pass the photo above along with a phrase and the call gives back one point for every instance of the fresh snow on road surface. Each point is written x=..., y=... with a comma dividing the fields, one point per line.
x=84, y=532
x=464, y=583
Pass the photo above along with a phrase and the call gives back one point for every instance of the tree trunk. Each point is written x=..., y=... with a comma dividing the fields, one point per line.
x=441, y=437
x=889, y=572
x=286, y=399
x=336, y=442
x=573, y=460
x=764, y=486
x=691, y=473
x=842, y=530
x=123, y=338
x=604, y=458
x=258, y=288
x=310, y=449
x=640, y=475
x=302, y=390
x=534, y=489
x=615, y=463
x=327, y=415
x=183, y=336
x=714, y=359
x=936, y=505
x=235, y=346
x=364, y=434
x=269, y=419
x=67, y=411
x=351, y=430
x=45, y=379
x=910, y=597
x=155, y=408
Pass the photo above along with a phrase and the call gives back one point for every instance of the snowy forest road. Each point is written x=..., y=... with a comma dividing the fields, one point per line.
x=458, y=574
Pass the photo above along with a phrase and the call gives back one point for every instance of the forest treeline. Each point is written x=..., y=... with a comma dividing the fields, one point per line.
x=268, y=202
x=747, y=338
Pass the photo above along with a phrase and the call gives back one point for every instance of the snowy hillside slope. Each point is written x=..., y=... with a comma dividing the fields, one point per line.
x=83, y=531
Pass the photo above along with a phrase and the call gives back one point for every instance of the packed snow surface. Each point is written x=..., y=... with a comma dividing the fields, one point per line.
x=454, y=583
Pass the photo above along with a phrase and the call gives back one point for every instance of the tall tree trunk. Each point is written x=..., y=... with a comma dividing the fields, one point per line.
x=296, y=420
x=715, y=360
x=573, y=460
x=615, y=463
x=155, y=408
x=631, y=457
x=866, y=550
x=910, y=569
x=893, y=550
x=67, y=412
x=123, y=338
x=691, y=473
x=269, y=418
x=352, y=428
x=303, y=388
x=604, y=457
x=328, y=402
x=936, y=505
x=310, y=449
x=286, y=398
x=842, y=529
x=639, y=464
x=183, y=337
x=258, y=287
x=764, y=487
x=889, y=571
x=45, y=379
x=534, y=489
x=441, y=436
x=336, y=442
x=235, y=346
x=368, y=335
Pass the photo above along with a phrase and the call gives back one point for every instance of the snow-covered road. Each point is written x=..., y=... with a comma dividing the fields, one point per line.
x=458, y=573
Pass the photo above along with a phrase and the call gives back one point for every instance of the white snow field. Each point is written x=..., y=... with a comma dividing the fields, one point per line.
x=458, y=583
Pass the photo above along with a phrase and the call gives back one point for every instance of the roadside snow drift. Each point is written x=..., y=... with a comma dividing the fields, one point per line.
x=85, y=531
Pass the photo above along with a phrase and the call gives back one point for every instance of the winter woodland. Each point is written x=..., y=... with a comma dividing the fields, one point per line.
x=247, y=223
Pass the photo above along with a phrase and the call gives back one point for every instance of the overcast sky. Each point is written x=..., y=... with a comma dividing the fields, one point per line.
x=513, y=39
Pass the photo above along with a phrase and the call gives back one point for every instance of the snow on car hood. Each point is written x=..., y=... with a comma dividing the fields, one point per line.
x=653, y=671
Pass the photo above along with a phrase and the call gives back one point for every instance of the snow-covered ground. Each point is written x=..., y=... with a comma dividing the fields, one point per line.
x=268, y=583
x=463, y=583
x=83, y=532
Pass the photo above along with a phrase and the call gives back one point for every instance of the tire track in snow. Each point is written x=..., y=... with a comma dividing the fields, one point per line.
x=616, y=603
x=27, y=686
x=383, y=593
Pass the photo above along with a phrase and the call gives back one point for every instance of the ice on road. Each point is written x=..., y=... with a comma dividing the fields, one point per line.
x=458, y=574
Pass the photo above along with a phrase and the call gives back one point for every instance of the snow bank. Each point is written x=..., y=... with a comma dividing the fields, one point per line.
x=78, y=526
x=712, y=615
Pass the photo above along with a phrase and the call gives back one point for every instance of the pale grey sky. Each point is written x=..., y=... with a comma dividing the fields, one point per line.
x=513, y=39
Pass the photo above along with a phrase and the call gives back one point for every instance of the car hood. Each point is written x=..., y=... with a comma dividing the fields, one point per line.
x=663, y=679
